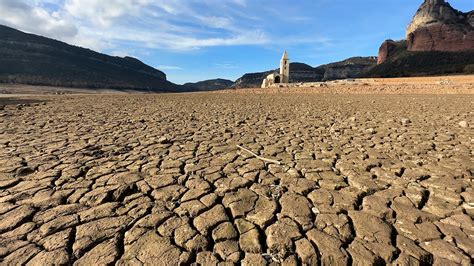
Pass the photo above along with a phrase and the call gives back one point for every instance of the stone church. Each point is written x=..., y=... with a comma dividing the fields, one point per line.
x=283, y=77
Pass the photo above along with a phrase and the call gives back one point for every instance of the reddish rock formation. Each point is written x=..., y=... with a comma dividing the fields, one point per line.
x=439, y=27
x=441, y=37
x=386, y=50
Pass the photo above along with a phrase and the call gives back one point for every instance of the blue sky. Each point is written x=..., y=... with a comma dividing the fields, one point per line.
x=194, y=40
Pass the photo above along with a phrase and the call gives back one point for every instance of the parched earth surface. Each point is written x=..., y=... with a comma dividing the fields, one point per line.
x=159, y=179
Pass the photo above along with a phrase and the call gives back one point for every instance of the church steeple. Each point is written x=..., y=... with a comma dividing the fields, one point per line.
x=285, y=68
x=282, y=77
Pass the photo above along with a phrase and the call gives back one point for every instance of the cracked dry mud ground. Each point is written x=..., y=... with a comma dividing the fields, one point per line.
x=158, y=179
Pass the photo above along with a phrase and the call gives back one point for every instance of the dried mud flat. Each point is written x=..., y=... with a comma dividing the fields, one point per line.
x=159, y=179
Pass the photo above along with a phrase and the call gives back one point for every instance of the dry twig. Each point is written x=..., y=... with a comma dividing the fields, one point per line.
x=259, y=157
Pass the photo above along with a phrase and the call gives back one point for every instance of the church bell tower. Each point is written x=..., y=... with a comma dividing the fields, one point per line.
x=285, y=68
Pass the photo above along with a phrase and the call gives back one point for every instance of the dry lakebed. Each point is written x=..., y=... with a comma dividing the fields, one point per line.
x=237, y=178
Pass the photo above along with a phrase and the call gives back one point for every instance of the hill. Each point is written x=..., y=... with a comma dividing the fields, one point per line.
x=210, y=85
x=35, y=60
x=349, y=68
x=299, y=72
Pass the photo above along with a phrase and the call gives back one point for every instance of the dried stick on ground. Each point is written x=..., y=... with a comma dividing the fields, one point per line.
x=259, y=157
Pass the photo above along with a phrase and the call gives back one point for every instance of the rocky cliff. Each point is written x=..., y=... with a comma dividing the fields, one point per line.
x=386, y=51
x=299, y=72
x=404, y=63
x=349, y=68
x=437, y=26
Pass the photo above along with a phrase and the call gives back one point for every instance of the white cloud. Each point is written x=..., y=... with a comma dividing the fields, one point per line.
x=216, y=21
x=103, y=13
x=178, y=25
x=226, y=65
x=32, y=18
x=165, y=67
x=162, y=40
x=240, y=2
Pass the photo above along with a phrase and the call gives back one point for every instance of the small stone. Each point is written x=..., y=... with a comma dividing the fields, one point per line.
x=371, y=131
x=463, y=124
x=163, y=140
x=315, y=210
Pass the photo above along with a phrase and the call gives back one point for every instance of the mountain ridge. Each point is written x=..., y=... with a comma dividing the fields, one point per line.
x=300, y=72
x=435, y=44
x=35, y=60
x=439, y=41
x=404, y=63
x=437, y=26
x=210, y=84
